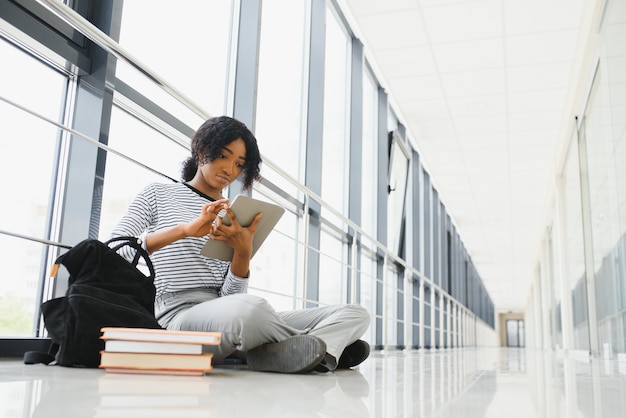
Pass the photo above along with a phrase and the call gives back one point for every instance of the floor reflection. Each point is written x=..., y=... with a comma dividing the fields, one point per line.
x=485, y=382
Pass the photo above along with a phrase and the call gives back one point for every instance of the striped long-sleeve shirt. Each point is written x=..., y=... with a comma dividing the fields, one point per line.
x=179, y=265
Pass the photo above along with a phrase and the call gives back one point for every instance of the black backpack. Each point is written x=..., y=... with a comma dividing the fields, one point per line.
x=104, y=290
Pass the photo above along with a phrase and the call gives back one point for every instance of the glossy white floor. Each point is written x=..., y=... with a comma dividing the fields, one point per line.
x=484, y=382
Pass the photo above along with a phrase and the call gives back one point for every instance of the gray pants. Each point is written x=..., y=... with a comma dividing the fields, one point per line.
x=247, y=321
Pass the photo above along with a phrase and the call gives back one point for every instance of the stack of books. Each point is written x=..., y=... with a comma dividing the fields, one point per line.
x=156, y=351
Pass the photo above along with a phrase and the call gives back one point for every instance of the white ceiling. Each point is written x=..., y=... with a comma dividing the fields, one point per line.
x=483, y=88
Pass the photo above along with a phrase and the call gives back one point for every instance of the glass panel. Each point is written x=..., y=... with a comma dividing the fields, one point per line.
x=603, y=204
x=575, y=256
x=28, y=153
x=19, y=286
x=391, y=312
x=420, y=221
x=274, y=267
x=415, y=318
x=280, y=88
x=336, y=94
x=188, y=46
x=437, y=318
x=427, y=319
x=124, y=179
x=555, y=303
x=369, y=175
x=426, y=226
x=369, y=282
x=333, y=274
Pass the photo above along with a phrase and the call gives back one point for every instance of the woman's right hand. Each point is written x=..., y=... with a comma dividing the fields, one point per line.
x=203, y=224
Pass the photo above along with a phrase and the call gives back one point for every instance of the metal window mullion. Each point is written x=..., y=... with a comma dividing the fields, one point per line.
x=244, y=78
x=314, y=140
x=355, y=163
x=592, y=321
x=421, y=314
x=381, y=206
x=88, y=113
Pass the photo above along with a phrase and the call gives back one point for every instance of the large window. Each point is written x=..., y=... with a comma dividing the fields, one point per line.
x=334, y=175
x=62, y=188
x=28, y=159
x=277, y=269
x=369, y=196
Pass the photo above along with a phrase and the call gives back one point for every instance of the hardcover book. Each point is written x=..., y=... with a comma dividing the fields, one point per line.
x=161, y=335
x=127, y=346
x=152, y=361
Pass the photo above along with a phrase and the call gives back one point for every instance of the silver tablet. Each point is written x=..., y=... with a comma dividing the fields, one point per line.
x=245, y=209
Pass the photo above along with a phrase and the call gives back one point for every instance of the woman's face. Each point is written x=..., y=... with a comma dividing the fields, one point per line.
x=222, y=171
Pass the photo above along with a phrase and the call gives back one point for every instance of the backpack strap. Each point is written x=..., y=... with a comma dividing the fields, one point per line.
x=36, y=357
x=140, y=252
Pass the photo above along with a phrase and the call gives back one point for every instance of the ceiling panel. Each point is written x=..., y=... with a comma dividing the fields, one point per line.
x=481, y=86
x=478, y=106
x=393, y=30
x=469, y=83
x=553, y=75
x=377, y=7
x=432, y=129
x=426, y=109
x=483, y=54
x=410, y=88
x=541, y=48
x=463, y=21
x=533, y=100
x=410, y=62
x=481, y=124
x=524, y=16
x=543, y=123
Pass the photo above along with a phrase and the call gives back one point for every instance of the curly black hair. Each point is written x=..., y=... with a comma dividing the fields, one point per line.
x=209, y=140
